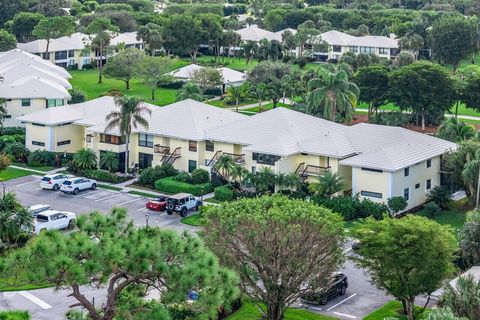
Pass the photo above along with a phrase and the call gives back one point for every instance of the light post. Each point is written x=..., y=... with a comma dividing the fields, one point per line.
x=147, y=215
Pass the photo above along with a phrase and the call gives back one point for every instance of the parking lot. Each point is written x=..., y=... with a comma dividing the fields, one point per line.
x=29, y=193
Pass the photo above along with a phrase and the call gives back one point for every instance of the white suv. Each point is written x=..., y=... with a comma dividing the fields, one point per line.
x=53, y=181
x=54, y=220
x=75, y=185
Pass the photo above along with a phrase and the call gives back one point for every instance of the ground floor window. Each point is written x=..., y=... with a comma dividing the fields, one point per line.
x=406, y=193
x=38, y=143
x=371, y=194
x=62, y=143
x=429, y=184
x=192, y=165
x=145, y=160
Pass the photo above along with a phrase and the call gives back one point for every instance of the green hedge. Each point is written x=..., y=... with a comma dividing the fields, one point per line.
x=171, y=185
x=14, y=315
x=223, y=193
x=102, y=175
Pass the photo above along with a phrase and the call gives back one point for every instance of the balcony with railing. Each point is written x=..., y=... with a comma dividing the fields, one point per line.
x=237, y=158
x=161, y=149
x=308, y=170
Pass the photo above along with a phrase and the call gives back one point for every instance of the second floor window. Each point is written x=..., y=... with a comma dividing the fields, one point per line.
x=209, y=146
x=108, y=138
x=336, y=48
x=54, y=103
x=26, y=102
x=406, y=172
x=383, y=51
x=264, y=158
x=192, y=146
x=61, y=55
x=145, y=140
x=429, y=163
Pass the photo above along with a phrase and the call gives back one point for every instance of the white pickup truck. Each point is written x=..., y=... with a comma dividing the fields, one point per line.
x=54, y=220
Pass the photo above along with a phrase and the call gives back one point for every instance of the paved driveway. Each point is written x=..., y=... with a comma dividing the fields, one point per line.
x=29, y=192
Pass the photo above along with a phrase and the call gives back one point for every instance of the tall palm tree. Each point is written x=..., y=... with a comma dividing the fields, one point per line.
x=225, y=165
x=85, y=159
x=129, y=116
x=328, y=184
x=250, y=49
x=238, y=172
x=109, y=160
x=471, y=175
x=455, y=130
x=260, y=92
x=236, y=94
x=332, y=92
x=265, y=179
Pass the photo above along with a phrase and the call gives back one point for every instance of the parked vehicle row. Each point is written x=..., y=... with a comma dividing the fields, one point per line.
x=66, y=184
x=180, y=202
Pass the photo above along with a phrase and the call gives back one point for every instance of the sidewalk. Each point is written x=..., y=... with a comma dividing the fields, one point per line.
x=43, y=173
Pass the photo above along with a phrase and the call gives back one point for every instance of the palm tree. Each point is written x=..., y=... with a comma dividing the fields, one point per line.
x=455, y=130
x=190, y=90
x=265, y=179
x=109, y=160
x=85, y=159
x=3, y=111
x=292, y=181
x=249, y=50
x=236, y=94
x=412, y=42
x=332, y=92
x=238, y=172
x=471, y=175
x=130, y=116
x=328, y=184
x=260, y=92
x=225, y=165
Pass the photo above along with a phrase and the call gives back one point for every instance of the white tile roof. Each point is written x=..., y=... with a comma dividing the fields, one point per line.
x=88, y=113
x=26, y=57
x=254, y=33
x=30, y=87
x=228, y=75
x=337, y=38
x=76, y=41
x=285, y=132
x=13, y=70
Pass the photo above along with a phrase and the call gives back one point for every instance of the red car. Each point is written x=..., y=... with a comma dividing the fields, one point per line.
x=157, y=204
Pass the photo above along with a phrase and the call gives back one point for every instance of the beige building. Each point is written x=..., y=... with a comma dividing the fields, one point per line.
x=29, y=84
x=375, y=162
x=70, y=51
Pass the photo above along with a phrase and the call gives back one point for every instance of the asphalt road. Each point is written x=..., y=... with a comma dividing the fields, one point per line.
x=361, y=298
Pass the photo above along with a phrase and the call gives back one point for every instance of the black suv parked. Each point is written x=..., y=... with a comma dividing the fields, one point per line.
x=338, y=286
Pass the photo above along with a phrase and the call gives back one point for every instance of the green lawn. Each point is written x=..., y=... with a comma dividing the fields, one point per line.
x=249, y=311
x=13, y=173
x=193, y=220
x=221, y=103
x=87, y=81
x=268, y=106
x=392, y=309
x=109, y=187
x=24, y=165
x=143, y=194
x=455, y=216
x=14, y=315
x=7, y=286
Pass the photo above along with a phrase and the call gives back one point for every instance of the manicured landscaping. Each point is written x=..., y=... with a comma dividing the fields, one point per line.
x=455, y=216
x=7, y=285
x=193, y=220
x=393, y=309
x=24, y=165
x=171, y=185
x=109, y=187
x=267, y=106
x=87, y=81
x=14, y=315
x=13, y=173
x=221, y=103
x=143, y=194
x=249, y=311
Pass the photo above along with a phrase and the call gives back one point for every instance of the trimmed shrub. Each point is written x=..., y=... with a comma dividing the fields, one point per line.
x=441, y=196
x=431, y=209
x=397, y=204
x=148, y=176
x=223, y=193
x=10, y=131
x=352, y=207
x=200, y=176
x=172, y=185
x=40, y=158
x=171, y=84
x=184, y=177
x=17, y=150
x=102, y=175
x=4, y=161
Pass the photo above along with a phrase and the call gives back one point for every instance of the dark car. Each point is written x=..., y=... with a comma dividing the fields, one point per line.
x=157, y=204
x=338, y=286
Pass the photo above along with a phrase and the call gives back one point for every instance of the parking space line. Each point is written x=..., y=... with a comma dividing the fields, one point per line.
x=24, y=184
x=142, y=209
x=306, y=306
x=38, y=188
x=34, y=299
x=345, y=315
x=125, y=202
x=346, y=251
x=344, y=300
x=111, y=196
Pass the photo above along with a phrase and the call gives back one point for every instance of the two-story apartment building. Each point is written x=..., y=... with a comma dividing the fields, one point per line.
x=74, y=50
x=375, y=162
x=340, y=42
x=29, y=84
